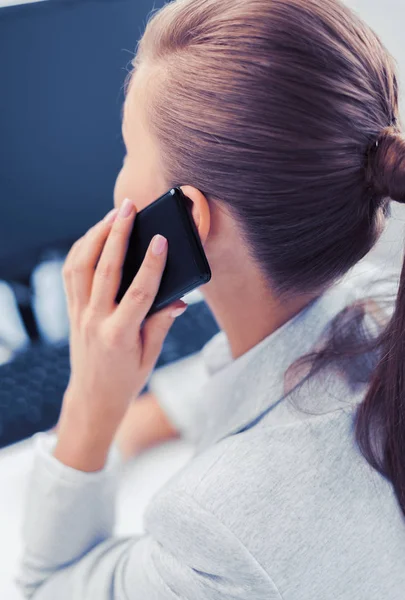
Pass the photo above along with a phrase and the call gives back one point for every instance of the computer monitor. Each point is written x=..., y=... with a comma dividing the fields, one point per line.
x=63, y=65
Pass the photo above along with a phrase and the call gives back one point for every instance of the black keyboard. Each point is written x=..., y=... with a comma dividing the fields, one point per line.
x=33, y=383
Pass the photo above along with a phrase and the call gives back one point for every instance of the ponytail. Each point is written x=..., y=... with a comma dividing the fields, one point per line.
x=380, y=424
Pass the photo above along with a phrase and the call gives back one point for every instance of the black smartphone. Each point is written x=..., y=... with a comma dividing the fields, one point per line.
x=187, y=266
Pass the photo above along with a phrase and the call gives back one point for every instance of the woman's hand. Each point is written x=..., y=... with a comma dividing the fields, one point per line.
x=112, y=351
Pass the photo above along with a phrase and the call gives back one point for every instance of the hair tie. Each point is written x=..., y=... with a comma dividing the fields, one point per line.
x=393, y=123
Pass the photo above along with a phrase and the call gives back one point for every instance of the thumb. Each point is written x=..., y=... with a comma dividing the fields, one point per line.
x=156, y=329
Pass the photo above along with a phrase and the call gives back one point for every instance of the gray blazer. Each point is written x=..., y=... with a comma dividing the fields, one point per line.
x=277, y=503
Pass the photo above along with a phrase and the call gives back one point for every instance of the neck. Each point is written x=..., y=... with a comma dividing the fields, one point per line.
x=246, y=310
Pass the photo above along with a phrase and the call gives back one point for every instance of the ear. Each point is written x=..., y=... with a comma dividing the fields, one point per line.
x=200, y=210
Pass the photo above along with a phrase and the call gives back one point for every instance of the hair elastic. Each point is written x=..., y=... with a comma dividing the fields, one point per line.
x=393, y=123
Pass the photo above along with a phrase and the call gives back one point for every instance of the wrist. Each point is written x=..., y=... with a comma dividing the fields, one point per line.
x=82, y=444
x=81, y=454
x=91, y=414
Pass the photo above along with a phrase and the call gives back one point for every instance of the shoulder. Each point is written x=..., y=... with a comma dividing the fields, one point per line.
x=264, y=501
x=276, y=458
x=260, y=473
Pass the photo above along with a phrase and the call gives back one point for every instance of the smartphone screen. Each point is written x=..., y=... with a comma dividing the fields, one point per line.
x=187, y=266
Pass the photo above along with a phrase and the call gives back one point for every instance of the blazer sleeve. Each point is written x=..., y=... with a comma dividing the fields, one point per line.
x=70, y=552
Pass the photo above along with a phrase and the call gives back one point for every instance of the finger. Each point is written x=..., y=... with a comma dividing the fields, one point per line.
x=84, y=259
x=107, y=277
x=140, y=295
x=155, y=331
x=67, y=269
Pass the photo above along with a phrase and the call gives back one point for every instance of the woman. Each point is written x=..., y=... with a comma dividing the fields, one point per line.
x=280, y=119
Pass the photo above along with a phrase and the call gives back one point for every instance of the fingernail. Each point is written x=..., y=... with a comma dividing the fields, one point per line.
x=111, y=216
x=159, y=244
x=178, y=311
x=126, y=209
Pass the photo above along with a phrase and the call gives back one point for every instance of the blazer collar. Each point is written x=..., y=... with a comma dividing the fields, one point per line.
x=239, y=391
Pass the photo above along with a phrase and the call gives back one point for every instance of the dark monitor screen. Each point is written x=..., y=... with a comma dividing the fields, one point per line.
x=63, y=65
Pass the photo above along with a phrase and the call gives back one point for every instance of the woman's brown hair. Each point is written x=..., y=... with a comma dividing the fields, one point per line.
x=287, y=111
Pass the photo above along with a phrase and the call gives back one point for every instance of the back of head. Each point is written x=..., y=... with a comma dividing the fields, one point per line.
x=287, y=112
x=271, y=106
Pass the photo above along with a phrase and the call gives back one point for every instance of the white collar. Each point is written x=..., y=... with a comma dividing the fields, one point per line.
x=239, y=391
